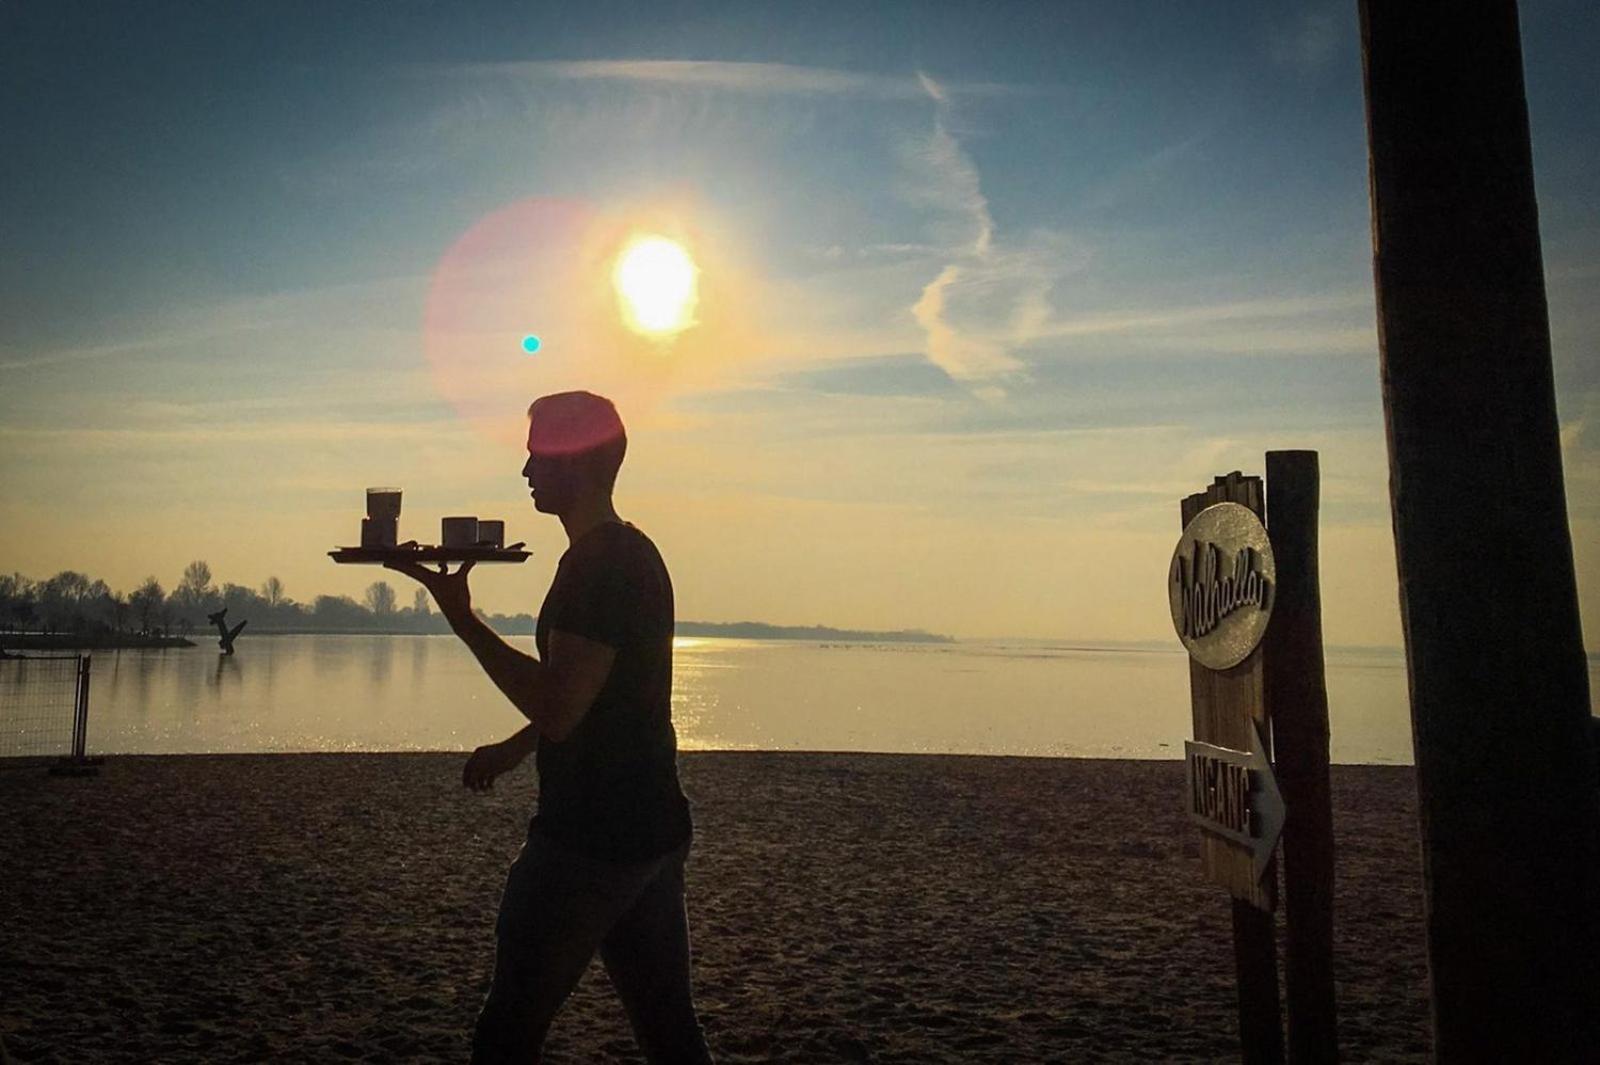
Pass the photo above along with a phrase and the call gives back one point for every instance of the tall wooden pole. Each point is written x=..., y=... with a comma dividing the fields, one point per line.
x=1297, y=701
x=1499, y=691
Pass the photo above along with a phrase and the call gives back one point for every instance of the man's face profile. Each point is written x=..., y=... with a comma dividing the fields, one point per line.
x=555, y=482
x=575, y=444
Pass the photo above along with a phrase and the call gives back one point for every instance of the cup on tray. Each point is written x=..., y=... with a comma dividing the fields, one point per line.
x=383, y=503
x=458, y=532
x=381, y=526
x=491, y=534
x=379, y=532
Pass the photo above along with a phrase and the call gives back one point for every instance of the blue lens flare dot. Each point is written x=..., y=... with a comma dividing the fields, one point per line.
x=530, y=344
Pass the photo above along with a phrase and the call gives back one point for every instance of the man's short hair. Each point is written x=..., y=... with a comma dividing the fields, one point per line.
x=579, y=426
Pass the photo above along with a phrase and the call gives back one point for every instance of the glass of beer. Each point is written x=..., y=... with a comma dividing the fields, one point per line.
x=383, y=503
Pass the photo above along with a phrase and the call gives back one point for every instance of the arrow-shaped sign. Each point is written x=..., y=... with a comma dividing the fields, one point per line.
x=1233, y=794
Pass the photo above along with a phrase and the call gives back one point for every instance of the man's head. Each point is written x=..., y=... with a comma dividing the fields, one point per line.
x=575, y=447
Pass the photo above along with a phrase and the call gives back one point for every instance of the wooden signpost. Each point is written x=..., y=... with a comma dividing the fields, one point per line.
x=1246, y=607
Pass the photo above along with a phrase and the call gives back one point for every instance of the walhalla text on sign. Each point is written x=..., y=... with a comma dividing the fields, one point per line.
x=1208, y=595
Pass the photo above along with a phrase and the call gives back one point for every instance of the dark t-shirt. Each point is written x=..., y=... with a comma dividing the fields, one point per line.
x=610, y=789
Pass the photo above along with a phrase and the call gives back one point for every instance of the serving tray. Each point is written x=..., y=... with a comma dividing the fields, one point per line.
x=377, y=556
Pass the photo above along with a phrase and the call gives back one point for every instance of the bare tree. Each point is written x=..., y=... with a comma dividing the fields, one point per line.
x=15, y=591
x=272, y=592
x=146, y=602
x=422, y=603
x=196, y=583
x=380, y=598
x=62, y=599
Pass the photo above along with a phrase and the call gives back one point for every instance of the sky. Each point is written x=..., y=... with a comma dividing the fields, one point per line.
x=984, y=289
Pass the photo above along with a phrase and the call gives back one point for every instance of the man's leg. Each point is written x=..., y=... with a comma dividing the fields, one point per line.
x=556, y=909
x=646, y=954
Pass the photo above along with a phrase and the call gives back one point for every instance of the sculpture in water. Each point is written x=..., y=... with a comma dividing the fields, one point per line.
x=228, y=635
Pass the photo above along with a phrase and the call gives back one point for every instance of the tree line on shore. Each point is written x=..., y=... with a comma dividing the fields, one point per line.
x=73, y=602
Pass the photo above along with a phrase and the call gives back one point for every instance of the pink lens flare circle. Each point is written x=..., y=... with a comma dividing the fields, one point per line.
x=534, y=261
x=552, y=265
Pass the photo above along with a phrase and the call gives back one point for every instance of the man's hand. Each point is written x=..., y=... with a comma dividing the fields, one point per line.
x=488, y=762
x=448, y=589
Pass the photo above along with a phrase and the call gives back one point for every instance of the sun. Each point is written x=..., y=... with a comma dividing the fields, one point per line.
x=657, y=286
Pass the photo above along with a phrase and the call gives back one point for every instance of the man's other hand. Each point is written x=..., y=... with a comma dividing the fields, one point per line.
x=488, y=762
x=448, y=589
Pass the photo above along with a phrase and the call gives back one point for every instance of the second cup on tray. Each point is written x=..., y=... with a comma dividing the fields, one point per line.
x=459, y=532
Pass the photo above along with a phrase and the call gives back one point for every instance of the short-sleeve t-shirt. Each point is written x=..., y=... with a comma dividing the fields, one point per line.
x=610, y=789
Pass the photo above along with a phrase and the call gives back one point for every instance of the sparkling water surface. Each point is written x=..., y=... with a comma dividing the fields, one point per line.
x=342, y=693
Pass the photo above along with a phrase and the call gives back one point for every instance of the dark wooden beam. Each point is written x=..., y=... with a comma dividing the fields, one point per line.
x=1296, y=692
x=1499, y=688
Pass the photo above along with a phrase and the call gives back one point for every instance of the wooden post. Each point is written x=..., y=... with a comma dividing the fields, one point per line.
x=1499, y=690
x=1297, y=703
x=1226, y=703
x=80, y=717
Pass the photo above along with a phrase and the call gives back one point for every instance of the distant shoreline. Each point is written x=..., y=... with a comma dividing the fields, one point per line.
x=77, y=641
x=742, y=630
x=759, y=630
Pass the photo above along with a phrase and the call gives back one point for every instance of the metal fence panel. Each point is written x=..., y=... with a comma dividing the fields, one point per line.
x=39, y=706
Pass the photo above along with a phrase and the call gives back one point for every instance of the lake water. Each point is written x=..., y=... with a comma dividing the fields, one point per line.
x=341, y=693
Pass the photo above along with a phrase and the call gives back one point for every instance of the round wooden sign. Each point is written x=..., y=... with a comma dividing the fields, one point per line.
x=1221, y=585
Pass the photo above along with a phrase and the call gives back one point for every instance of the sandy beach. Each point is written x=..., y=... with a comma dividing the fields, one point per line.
x=883, y=908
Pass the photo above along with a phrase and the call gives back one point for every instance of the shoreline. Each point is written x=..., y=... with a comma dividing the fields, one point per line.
x=689, y=629
x=699, y=752
x=60, y=641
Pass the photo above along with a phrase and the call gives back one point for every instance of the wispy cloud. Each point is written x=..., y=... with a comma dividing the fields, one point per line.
x=329, y=307
x=566, y=107
x=160, y=342
x=956, y=186
x=1134, y=321
x=81, y=439
x=771, y=78
x=963, y=357
x=1135, y=179
x=949, y=183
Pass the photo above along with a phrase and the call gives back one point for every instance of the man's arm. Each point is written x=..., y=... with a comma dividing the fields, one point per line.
x=522, y=678
x=552, y=695
x=493, y=759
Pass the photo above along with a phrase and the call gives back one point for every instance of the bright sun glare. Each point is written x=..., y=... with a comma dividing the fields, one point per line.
x=656, y=282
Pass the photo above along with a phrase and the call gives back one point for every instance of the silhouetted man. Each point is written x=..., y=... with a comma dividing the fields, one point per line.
x=602, y=867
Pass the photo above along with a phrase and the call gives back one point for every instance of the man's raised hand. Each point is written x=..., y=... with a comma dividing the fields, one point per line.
x=448, y=589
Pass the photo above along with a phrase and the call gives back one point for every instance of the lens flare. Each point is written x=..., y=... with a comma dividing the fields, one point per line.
x=610, y=290
x=522, y=265
x=657, y=285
